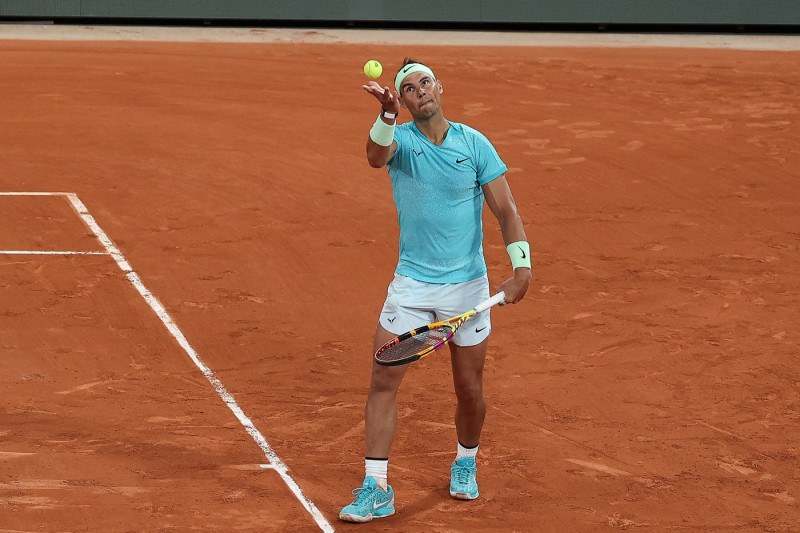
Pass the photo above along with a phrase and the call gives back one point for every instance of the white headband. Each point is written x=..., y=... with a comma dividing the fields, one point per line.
x=410, y=69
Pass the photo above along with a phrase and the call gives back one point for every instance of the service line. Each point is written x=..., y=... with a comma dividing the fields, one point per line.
x=48, y=252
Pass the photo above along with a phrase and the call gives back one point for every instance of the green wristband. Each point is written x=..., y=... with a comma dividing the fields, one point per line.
x=520, y=254
x=382, y=133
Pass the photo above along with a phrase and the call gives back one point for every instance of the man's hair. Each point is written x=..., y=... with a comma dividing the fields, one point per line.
x=408, y=60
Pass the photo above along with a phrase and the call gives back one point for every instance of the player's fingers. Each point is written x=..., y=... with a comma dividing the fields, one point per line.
x=514, y=292
x=374, y=89
x=504, y=289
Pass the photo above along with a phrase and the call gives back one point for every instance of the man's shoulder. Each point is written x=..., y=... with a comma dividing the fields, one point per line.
x=469, y=134
x=466, y=130
x=404, y=130
x=405, y=126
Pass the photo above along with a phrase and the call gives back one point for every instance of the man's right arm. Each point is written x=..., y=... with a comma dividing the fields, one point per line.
x=380, y=143
x=379, y=155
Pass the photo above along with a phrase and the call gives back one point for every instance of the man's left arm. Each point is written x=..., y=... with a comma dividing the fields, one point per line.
x=501, y=203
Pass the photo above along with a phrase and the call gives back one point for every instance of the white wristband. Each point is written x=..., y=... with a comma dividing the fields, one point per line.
x=382, y=133
x=520, y=254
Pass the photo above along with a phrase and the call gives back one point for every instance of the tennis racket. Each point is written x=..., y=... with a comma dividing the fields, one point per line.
x=420, y=342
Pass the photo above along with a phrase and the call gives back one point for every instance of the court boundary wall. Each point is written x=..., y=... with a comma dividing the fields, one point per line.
x=771, y=16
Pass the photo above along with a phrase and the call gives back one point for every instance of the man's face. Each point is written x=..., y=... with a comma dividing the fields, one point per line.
x=421, y=95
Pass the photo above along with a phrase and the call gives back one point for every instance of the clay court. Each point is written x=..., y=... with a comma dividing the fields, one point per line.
x=186, y=316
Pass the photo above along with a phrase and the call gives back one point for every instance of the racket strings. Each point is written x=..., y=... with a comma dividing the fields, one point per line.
x=414, y=345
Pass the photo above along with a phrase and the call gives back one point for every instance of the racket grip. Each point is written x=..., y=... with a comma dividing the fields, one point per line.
x=498, y=298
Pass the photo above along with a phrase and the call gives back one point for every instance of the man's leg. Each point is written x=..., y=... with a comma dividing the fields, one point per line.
x=375, y=499
x=381, y=411
x=467, y=363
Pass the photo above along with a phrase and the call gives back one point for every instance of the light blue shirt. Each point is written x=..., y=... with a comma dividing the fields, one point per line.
x=439, y=200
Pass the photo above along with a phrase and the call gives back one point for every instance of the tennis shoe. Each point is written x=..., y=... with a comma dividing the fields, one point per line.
x=463, y=483
x=371, y=502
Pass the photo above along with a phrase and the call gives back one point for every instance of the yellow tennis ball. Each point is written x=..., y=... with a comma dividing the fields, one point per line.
x=373, y=69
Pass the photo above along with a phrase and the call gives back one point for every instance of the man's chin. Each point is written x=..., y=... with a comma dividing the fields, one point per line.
x=427, y=111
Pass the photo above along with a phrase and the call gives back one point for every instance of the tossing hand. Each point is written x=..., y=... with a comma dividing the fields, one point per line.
x=389, y=99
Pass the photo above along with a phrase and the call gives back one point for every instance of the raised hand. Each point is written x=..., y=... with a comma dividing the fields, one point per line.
x=389, y=99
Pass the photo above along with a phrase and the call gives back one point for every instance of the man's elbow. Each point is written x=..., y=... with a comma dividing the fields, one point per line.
x=375, y=162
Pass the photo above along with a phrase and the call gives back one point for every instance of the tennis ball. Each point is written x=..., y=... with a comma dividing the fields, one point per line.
x=373, y=69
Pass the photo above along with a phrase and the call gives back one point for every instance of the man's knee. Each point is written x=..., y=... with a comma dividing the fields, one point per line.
x=385, y=380
x=470, y=393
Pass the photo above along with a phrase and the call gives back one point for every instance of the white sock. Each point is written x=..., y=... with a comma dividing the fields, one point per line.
x=378, y=469
x=466, y=452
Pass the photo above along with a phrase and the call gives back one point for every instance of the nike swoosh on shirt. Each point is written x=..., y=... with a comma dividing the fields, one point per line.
x=462, y=160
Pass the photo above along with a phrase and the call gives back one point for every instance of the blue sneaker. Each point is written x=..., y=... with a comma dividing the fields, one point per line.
x=463, y=485
x=371, y=502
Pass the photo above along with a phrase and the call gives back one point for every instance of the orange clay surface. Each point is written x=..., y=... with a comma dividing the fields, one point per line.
x=649, y=381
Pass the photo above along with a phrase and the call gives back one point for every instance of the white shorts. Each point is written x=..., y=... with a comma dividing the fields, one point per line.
x=410, y=304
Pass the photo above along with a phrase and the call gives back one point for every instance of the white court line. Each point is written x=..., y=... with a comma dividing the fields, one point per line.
x=275, y=462
x=47, y=252
x=25, y=193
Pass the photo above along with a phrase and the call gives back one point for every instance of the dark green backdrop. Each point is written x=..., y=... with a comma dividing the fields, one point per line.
x=676, y=12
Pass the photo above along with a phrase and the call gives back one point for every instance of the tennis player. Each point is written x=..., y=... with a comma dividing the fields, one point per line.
x=441, y=174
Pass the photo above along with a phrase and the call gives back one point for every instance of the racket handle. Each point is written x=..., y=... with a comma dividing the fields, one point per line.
x=498, y=298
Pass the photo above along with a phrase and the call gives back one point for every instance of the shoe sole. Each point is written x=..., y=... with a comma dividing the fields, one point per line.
x=463, y=495
x=361, y=519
